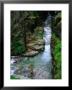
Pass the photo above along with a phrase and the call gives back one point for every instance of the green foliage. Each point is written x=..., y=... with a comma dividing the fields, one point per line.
x=39, y=32
x=23, y=22
x=58, y=15
x=14, y=77
x=57, y=57
x=56, y=24
x=56, y=41
x=17, y=47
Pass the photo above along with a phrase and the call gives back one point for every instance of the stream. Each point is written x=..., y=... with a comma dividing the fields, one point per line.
x=37, y=67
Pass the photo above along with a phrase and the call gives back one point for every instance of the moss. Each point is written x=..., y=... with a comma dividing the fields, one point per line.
x=57, y=57
x=13, y=77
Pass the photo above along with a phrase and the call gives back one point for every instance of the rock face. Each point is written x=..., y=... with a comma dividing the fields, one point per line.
x=31, y=53
x=34, y=48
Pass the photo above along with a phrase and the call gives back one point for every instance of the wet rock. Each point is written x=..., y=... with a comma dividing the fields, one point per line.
x=18, y=71
x=12, y=71
x=31, y=53
x=40, y=42
x=15, y=59
x=38, y=48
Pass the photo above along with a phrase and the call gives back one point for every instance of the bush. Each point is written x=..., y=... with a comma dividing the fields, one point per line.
x=17, y=48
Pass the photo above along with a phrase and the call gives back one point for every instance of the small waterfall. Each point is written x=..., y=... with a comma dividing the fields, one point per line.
x=48, y=21
x=47, y=38
x=47, y=35
x=46, y=56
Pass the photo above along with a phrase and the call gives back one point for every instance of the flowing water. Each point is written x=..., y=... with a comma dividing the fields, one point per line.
x=37, y=67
